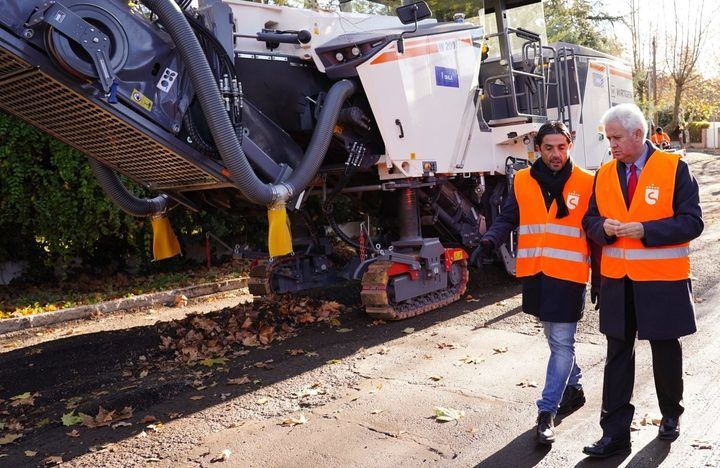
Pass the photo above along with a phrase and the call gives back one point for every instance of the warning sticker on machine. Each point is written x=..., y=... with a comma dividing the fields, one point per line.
x=447, y=77
x=142, y=100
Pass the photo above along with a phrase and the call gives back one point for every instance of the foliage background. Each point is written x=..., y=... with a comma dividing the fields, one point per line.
x=53, y=214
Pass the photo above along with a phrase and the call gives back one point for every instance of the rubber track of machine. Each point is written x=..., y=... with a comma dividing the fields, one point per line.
x=377, y=304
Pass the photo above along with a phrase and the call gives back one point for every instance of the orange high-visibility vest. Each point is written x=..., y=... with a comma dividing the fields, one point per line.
x=653, y=200
x=658, y=138
x=555, y=247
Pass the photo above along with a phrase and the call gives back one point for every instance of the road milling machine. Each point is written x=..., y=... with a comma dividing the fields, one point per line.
x=414, y=127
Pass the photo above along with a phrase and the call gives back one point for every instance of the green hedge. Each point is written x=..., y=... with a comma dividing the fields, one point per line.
x=52, y=210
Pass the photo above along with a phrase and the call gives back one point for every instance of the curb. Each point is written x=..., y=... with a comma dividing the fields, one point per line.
x=135, y=302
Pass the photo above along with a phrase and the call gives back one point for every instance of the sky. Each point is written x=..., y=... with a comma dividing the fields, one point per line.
x=658, y=17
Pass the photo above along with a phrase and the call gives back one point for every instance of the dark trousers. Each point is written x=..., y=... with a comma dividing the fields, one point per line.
x=619, y=380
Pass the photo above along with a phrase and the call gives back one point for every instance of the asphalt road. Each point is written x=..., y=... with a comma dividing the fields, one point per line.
x=367, y=395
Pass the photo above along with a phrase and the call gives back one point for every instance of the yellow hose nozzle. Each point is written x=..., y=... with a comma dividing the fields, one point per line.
x=279, y=237
x=165, y=243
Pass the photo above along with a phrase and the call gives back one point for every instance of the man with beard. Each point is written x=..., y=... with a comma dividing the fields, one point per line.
x=546, y=205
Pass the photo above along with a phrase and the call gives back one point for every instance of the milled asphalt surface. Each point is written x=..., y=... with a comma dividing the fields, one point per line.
x=481, y=355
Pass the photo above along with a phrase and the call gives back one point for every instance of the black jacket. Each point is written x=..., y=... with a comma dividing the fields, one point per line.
x=549, y=299
x=663, y=309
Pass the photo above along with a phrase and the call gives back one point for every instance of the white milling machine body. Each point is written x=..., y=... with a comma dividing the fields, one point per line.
x=418, y=127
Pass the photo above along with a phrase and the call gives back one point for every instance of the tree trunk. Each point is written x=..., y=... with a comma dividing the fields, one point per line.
x=676, y=105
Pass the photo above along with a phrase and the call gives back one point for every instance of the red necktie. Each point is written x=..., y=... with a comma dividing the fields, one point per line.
x=632, y=183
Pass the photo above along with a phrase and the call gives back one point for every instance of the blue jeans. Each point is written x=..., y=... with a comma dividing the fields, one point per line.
x=562, y=369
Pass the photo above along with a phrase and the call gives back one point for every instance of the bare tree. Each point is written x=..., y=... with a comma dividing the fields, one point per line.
x=683, y=51
x=639, y=66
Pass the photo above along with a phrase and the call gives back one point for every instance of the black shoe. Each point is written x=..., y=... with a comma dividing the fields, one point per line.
x=545, y=429
x=669, y=429
x=607, y=447
x=572, y=399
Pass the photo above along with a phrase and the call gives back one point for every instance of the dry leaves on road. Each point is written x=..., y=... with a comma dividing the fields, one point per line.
x=222, y=456
x=447, y=414
x=239, y=381
x=468, y=359
x=26, y=398
x=409, y=330
x=216, y=335
x=500, y=350
x=106, y=418
x=294, y=421
x=527, y=384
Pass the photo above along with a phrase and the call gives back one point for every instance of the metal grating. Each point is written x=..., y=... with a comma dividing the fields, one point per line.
x=61, y=112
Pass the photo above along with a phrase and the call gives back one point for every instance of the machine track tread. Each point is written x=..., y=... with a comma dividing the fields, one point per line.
x=374, y=294
x=260, y=281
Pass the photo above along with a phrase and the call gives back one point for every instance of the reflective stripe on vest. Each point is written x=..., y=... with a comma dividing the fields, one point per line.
x=556, y=247
x=653, y=200
x=549, y=252
x=551, y=228
x=646, y=254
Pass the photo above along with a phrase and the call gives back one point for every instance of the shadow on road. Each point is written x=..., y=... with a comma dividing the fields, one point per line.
x=104, y=369
x=522, y=452
x=652, y=455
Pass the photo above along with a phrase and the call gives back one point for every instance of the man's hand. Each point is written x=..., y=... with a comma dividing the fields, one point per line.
x=595, y=296
x=611, y=226
x=632, y=230
x=481, y=252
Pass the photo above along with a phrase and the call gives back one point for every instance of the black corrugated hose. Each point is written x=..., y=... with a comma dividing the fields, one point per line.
x=208, y=94
x=126, y=201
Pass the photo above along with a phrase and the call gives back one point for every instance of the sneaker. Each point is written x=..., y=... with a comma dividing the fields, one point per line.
x=572, y=399
x=545, y=429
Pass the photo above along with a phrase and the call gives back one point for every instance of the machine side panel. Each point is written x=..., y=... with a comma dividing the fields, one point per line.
x=424, y=95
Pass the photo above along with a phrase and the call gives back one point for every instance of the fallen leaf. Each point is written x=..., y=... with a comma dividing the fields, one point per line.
x=343, y=330
x=9, y=438
x=295, y=352
x=210, y=362
x=42, y=422
x=74, y=433
x=473, y=430
x=24, y=399
x=447, y=414
x=376, y=411
x=52, y=461
x=239, y=381
x=73, y=402
x=334, y=361
x=70, y=419
x=155, y=427
x=701, y=445
x=180, y=300
x=222, y=456
x=527, y=384
x=500, y=350
x=262, y=401
x=384, y=350
x=143, y=374
x=447, y=345
x=197, y=397
x=409, y=330
x=311, y=354
x=471, y=359
x=30, y=453
x=436, y=378
x=148, y=419
x=174, y=415
x=293, y=421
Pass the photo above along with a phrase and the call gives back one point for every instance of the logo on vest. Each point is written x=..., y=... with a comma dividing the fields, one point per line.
x=652, y=193
x=572, y=201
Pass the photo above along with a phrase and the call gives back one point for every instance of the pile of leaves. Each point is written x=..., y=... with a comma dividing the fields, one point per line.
x=209, y=336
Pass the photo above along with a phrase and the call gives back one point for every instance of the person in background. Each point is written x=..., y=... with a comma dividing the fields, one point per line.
x=660, y=139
